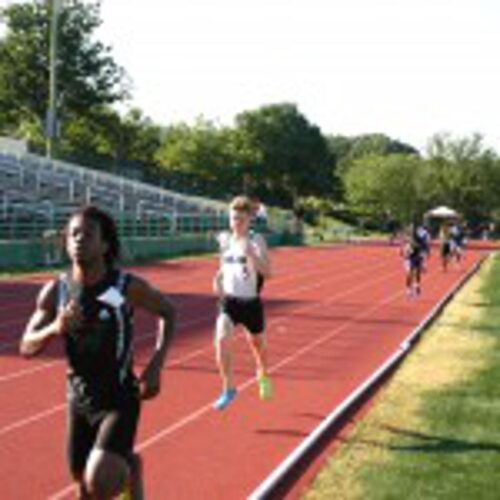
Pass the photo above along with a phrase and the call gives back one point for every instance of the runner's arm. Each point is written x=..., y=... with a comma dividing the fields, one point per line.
x=259, y=257
x=142, y=295
x=44, y=323
x=217, y=284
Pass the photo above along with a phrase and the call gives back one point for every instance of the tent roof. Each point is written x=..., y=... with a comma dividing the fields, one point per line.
x=442, y=211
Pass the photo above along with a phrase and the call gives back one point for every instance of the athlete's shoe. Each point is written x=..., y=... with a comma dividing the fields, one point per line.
x=225, y=399
x=126, y=494
x=265, y=388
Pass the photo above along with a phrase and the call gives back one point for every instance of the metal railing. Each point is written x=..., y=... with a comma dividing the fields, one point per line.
x=40, y=179
x=37, y=196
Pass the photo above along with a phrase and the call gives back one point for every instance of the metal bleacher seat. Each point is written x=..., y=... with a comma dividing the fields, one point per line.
x=45, y=190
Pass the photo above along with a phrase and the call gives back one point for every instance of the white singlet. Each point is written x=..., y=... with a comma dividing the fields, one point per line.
x=239, y=278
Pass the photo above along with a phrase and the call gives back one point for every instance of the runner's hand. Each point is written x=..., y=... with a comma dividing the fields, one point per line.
x=249, y=248
x=150, y=381
x=69, y=319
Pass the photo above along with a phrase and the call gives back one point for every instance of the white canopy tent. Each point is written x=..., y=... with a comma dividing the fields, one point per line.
x=442, y=212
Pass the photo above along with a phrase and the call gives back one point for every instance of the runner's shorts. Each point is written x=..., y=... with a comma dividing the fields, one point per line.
x=246, y=312
x=111, y=430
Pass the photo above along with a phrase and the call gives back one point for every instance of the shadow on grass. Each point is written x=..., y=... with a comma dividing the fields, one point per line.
x=483, y=304
x=429, y=443
x=477, y=327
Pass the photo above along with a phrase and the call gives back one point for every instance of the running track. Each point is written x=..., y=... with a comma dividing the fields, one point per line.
x=334, y=315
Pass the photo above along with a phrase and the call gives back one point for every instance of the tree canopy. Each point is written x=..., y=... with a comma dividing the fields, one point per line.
x=460, y=173
x=273, y=151
x=286, y=153
x=87, y=74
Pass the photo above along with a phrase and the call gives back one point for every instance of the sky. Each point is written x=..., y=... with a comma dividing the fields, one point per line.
x=405, y=68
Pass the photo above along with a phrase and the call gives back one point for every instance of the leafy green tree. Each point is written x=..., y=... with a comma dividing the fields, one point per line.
x=132, y=138
x=201, y=151
x=379, y=144
x=286, y=155
x=347, y=149
x=378, y=186
x=463, y=174
x=87, y=74
x=460, y=173
x=104, y=137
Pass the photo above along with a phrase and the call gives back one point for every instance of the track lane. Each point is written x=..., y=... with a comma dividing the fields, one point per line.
x=182, y=438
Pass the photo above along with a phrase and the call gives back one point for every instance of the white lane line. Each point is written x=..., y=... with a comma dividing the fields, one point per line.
x=28, y=371
x=189, y=356
x=195, y=415
x=266, y=487
x=32, y=419
x=204, y=409
x=292, y=291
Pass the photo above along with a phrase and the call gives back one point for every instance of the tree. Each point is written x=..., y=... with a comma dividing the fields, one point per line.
x=87, y=74
x=286, y=155
x=103, y=135
x=377, y=186
x=202, y=152
x=379, y=144
x=462, y=173
x=348, y=149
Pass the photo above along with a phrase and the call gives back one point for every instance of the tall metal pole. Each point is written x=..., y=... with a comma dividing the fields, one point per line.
x=51, y=122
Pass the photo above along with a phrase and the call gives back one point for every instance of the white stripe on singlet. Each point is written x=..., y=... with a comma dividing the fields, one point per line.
x=122, y=357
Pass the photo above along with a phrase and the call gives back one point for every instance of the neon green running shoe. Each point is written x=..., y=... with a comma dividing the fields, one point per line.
x=265, y=388
x=126, y=494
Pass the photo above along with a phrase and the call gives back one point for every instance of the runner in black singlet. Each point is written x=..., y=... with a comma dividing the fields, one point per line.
x=90, y=308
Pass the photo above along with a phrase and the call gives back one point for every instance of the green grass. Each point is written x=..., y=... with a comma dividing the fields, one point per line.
x=27, y=271
x=452, y=450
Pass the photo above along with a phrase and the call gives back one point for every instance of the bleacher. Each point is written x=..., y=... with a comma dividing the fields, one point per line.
x=38, y=194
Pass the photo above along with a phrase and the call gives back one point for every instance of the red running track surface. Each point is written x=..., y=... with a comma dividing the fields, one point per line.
x=334, y=315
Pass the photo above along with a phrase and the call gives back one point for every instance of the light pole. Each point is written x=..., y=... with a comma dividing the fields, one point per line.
x=51, y=120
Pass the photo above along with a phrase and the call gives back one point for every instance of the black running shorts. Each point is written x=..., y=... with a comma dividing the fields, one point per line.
x=246, y=312
x=111, y=430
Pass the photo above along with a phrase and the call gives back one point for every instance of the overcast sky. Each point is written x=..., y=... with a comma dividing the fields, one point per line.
x=406, y=68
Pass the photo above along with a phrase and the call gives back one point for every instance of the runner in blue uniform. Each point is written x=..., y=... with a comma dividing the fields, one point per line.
x=413, y=254
x=447, y=246
x=457, y=236
x=244, y=265
x=423, y=238
x=90, y=309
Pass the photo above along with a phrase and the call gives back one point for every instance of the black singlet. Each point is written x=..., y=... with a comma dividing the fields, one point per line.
x=99, y=353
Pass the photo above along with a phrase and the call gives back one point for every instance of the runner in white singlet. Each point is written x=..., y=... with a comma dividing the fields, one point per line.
x=244, y=265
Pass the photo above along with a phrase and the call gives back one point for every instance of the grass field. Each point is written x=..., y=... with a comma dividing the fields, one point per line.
x=434, y=432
